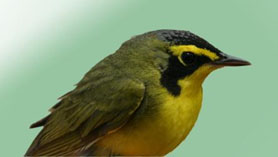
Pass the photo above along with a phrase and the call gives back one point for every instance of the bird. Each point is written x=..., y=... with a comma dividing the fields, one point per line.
x=142, y=100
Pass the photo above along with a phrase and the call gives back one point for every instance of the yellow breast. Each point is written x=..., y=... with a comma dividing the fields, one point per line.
x=179, y=115
x=160, y=134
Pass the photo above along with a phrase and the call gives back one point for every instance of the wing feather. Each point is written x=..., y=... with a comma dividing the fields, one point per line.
x=87, y=113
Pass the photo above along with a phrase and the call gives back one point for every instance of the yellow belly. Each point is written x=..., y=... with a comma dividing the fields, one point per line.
x=160, y=134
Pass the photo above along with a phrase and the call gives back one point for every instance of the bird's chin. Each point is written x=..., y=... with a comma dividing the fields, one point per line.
x=202, y=72
x=211, y=67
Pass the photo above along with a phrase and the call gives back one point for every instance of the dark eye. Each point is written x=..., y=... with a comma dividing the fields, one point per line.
x=188, y=58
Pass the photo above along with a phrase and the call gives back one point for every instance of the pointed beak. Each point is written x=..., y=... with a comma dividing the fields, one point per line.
x=227, y=60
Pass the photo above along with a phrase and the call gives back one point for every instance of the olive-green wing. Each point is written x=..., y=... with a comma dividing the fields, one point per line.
x=92, y=110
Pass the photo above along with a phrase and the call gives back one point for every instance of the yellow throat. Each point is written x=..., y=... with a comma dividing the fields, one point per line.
x=180, y=113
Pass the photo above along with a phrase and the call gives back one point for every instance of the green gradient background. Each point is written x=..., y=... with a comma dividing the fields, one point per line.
x=239, y=114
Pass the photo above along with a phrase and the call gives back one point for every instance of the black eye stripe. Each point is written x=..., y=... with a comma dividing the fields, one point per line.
x=176, y=70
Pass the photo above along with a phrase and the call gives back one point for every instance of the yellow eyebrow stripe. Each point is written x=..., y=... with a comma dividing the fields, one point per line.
x=178, y=50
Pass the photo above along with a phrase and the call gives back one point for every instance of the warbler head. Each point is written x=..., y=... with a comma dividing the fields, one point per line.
x=182, y=55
